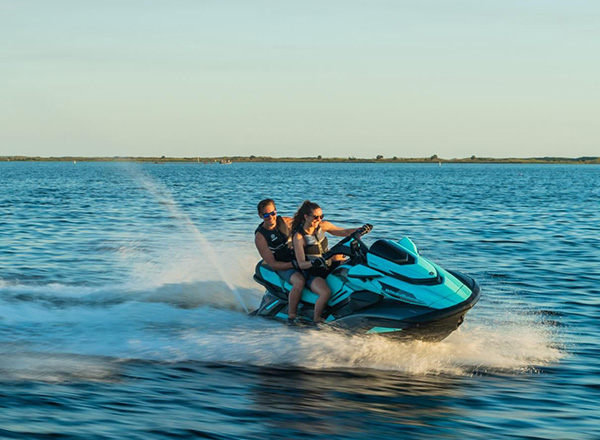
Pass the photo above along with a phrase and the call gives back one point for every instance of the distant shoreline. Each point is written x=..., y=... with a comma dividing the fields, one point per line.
x=245, y=159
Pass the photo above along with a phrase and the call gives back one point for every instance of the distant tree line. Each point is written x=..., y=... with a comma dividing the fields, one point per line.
x=319, y=158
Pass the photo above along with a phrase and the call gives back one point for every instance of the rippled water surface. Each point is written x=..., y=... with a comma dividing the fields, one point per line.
x=123, y=290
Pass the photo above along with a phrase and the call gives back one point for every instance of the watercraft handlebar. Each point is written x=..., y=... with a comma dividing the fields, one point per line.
x=365, y=229
x=319, y=262
x=350, y=250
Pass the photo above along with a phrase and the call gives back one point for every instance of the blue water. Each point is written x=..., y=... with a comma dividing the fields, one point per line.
x=123, y=290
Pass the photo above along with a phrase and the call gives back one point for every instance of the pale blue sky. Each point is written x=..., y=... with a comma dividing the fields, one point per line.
x=188, y=78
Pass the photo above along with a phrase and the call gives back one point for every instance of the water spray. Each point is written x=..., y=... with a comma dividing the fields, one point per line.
x=159, y=192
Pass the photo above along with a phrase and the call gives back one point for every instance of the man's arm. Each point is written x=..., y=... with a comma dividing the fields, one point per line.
x=335, y=230
x=288, y=221
x=263, y=249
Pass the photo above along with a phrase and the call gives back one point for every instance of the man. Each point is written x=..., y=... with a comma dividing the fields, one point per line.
x=273, y=241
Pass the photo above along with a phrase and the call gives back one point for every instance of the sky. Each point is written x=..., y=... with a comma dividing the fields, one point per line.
x=282, y=78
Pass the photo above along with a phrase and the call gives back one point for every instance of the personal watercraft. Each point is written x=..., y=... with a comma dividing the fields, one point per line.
x=387, y=288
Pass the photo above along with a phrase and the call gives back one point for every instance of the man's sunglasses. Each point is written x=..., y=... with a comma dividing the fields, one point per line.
x=270, y=214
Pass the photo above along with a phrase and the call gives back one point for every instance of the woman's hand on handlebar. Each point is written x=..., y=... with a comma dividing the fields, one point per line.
x=305, y=264
x=301, y=264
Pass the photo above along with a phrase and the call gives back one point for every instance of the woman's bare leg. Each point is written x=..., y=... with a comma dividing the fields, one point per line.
x=295, y=294
x=320, y=287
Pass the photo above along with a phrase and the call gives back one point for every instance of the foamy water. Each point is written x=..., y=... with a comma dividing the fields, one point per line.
x=200, y=319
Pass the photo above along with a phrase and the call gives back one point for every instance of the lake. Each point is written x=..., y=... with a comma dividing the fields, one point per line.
x=124, y=289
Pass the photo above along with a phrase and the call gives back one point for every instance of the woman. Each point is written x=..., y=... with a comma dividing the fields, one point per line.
x=310, y=244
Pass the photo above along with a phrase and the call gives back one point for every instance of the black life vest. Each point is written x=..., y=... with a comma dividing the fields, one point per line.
x=278, y=239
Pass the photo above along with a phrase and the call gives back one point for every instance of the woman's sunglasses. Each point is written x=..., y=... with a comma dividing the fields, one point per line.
x=317, y=217
x=270, y=214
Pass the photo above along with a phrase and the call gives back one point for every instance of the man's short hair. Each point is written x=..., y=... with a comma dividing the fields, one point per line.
x=263, y=203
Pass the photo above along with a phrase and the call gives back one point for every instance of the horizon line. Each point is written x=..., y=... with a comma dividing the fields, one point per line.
x=254, y=158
